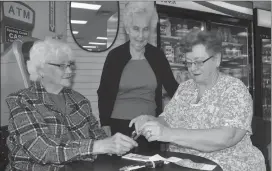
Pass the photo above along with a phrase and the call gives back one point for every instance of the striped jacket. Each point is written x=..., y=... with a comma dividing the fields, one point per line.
x=40, y=133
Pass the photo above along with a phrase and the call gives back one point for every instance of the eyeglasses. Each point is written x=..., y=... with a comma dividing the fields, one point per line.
x=197, y=63
x=72, y=65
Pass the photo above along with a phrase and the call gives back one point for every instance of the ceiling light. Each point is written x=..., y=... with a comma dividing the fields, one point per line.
x=85, y=6
x=78, y=21
x=102, y=38
x=89, y=46
x=96, y=43
x=75, y=32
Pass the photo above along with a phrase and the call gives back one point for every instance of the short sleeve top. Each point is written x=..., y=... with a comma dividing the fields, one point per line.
x=228, y=103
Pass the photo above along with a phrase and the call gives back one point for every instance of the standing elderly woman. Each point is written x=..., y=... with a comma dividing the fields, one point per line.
x=49, y=122
x=134, y=73
x=210, y=115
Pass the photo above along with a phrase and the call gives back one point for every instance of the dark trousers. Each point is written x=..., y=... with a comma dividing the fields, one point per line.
x=120, y=125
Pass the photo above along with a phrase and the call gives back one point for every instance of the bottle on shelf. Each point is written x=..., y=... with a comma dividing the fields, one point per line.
x=165, y=28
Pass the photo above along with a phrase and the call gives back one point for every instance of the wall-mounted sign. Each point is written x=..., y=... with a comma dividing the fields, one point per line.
x=18, y=11
x=52, y=16
x=239, y=9
x=14, y=33
x=18, y=20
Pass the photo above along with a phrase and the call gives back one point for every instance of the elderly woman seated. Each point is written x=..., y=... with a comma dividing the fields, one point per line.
x=49, y=122
x=210, y=114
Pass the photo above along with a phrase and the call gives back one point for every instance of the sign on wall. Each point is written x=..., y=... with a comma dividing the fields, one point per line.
x=52, y=16
x=18, y=21
x=14, y=33
x=18, y=11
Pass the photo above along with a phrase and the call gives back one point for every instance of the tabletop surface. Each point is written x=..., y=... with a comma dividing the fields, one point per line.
x=114, y=163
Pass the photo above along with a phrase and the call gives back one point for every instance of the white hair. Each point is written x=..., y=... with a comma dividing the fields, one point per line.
x=43, y=51
x=145, y=8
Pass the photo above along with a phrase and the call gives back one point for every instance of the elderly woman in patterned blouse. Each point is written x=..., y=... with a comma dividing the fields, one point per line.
x=49, y=122
x=210, y=114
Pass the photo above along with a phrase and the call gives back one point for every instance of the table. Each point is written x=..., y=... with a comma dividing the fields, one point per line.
x=114, y=163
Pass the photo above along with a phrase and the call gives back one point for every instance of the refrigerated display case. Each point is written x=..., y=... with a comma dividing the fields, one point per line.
x=172, y=32
x=266, y=75
x=262, y=39
x=236, y=33
x=235, y=59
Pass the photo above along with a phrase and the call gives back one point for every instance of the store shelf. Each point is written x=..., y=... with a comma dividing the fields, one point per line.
x=230, y=43
x=231, y=58
x=267, y=62
x=171, y=38
x=176, y=64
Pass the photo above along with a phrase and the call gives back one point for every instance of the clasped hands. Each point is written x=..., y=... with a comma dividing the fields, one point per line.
x=119, y=144
x=149, y=127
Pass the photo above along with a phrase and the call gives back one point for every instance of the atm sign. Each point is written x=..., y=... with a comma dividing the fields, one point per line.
x=18, y=11
x=14, y=33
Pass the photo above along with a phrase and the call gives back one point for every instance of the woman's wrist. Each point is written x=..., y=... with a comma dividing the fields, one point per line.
x=98, y=147
x=166, y=134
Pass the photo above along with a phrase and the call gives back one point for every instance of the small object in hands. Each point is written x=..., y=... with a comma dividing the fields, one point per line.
x=149, y=164
x=134, y=135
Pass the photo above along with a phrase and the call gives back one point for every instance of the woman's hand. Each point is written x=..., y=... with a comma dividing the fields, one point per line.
x=140, y=121
x=155, y=131
x=117, y=144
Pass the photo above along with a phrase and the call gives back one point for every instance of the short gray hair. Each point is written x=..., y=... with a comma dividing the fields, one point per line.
x=46, y=50
x=146, y=8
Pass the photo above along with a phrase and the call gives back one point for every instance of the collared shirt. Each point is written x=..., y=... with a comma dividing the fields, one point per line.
x=40, y=133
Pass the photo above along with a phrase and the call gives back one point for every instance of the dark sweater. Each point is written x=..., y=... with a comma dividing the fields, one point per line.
x=115, y=62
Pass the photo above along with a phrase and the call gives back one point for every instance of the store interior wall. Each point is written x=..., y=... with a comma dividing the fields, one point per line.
x=89, y=64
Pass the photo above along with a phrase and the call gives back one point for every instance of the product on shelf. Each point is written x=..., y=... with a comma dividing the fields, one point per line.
x=165, y=27
x=169, y=52
x=181, y=31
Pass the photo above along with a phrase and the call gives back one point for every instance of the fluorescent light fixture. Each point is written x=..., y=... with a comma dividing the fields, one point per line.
x=96, y=43
x=75, y=32
x=85, y=6
x=78, y=21
x=102, y=38
x=89, y=46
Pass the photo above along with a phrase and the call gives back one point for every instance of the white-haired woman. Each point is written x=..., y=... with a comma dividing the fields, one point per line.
x=133, y=74
x=51, y=123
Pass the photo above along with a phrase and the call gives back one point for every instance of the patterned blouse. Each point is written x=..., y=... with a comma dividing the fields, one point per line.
x=227, y=103
x=40, y=133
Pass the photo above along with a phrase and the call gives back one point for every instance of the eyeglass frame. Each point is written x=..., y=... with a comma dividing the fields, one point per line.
x=201, y=63
x=61, y=66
